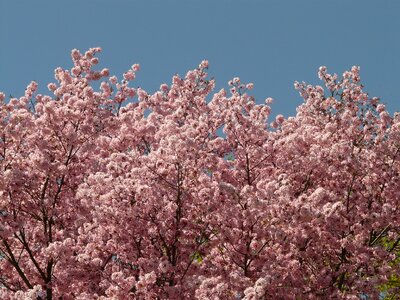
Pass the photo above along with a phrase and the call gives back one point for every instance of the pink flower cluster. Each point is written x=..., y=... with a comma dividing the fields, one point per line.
x=173, y=196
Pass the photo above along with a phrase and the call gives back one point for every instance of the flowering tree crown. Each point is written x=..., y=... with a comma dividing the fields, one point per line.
x=115, y=193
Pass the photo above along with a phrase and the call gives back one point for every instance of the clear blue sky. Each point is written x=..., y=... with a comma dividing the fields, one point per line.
x=270, y=43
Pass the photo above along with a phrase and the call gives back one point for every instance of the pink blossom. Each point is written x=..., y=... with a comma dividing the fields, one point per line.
x=52, y=87
x=142, y=94
x=75, y=54
x=105, y=72
x=380, y=108
x=94, y=61
x=135, y=67
x=279, y=119
x=129, y=76
x=104, y=198
x=76, y=71
x=269, y=100
x=164, y=88
x=113, y=80
x=203, y=64
x=249, y=86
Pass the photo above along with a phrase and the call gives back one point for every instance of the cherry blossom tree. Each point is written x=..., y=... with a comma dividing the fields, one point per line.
x=109, y=192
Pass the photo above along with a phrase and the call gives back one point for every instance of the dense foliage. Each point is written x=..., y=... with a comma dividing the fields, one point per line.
x=171, y=196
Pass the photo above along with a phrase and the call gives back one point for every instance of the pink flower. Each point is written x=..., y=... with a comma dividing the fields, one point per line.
x=164, y=88
x=94, y=61
x=135, y=67
x=105, y=72
x=75, y=54
x=249, y=86
x=279, y=119
x=76, y=71
x=113, y=80
x=203, y=64
x=129, y=76
x=380, y=108
x=52, y=87
x=142, y=94
x=269, y=100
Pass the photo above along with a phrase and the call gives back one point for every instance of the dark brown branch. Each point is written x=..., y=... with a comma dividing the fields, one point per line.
x=15, y=264
x=22, y=239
